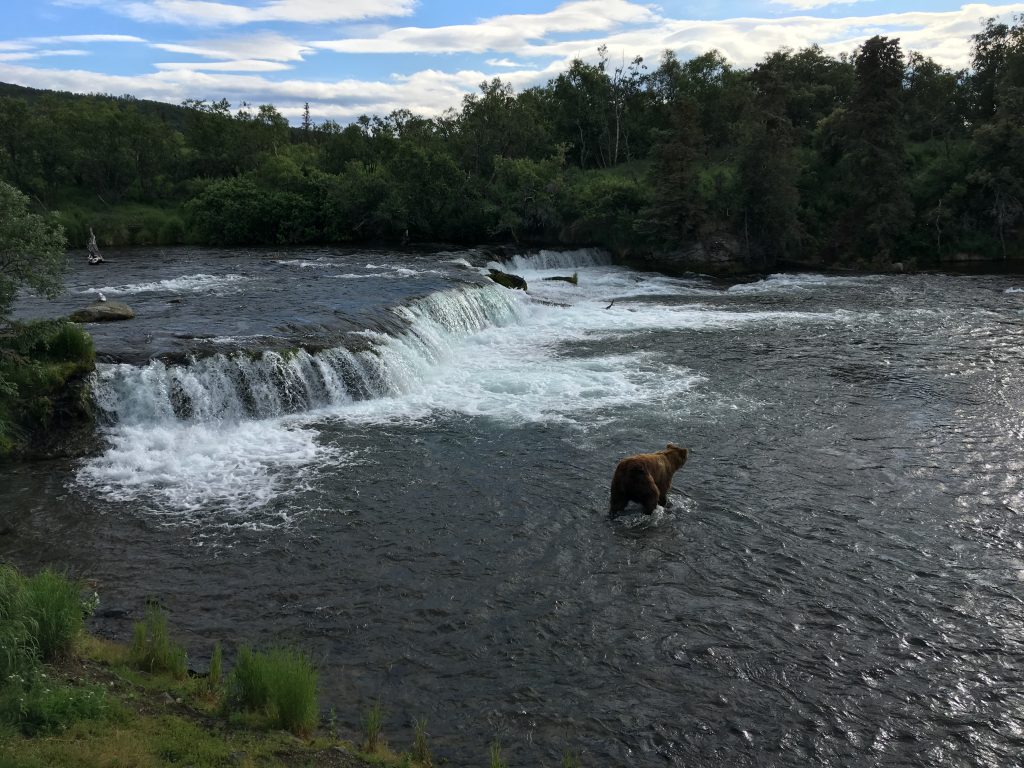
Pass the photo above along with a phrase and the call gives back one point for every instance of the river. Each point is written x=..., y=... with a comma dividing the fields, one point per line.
x=418, y=497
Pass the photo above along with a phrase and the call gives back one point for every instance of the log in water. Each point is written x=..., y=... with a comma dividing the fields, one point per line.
x=403, y=468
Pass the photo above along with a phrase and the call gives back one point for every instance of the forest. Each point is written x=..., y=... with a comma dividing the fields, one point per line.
x=863, y=160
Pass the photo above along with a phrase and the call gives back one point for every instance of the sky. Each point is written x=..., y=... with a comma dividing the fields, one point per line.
x=352, y=57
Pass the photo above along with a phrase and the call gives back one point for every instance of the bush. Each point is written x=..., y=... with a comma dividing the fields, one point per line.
x=152, y=649
x=281, y=683
x=55, y=605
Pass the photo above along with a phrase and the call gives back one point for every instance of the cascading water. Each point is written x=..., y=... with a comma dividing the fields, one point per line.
x=274, y=383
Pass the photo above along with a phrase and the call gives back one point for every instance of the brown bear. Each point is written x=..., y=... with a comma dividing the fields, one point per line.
x=645, y=478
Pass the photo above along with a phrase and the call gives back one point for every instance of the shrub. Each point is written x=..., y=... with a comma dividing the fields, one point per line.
x=55, y=605
x=281, y=683
x=152, y=649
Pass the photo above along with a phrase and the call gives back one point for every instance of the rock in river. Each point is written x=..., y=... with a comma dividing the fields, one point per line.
x=101, y=311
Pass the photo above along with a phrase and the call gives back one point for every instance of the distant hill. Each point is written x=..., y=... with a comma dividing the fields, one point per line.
x=172, y=114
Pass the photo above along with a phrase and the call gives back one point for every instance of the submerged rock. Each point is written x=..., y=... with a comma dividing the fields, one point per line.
x=514, y=282
x=102, y=311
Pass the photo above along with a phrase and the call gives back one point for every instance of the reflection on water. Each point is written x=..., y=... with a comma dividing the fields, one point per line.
x=838, y=580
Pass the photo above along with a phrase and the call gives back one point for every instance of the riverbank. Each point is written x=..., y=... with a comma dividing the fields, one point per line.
x=156, y=720
x=71, y=698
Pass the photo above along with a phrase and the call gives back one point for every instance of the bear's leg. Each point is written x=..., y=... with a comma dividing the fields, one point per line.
x=618, y=503
x=648, y=495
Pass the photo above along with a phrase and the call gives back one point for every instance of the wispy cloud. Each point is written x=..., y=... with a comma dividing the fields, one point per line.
x=213, y=14
x=266, y=45
x=39, y=54
x=503, y=34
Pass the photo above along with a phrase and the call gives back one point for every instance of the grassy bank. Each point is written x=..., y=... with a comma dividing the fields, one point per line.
x=43, y=397
x=68, y=698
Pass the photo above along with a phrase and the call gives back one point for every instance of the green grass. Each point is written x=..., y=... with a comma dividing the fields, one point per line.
x=420, y=751
x=18, y=643
x=496, y=760
x=281, y=683
x=373, y=725
x=55, y=605
x=215, y=678
x=152, y=649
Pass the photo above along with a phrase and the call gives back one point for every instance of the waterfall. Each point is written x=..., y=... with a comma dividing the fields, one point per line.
x=245, y=385
x=582, y=257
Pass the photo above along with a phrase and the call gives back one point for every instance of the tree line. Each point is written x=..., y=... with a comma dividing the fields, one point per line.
x=866, y=159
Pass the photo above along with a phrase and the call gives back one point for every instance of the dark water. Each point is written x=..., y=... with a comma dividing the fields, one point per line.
x=838, y=580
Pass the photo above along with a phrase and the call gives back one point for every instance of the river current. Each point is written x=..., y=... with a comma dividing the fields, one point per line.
x=418, y=498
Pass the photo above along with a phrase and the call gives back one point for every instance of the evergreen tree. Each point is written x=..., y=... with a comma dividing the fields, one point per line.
x=678, y=214
x=871, y=183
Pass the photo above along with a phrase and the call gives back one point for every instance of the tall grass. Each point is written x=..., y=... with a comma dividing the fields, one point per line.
x=40, y=619
x=55, y=605
x=152, y=649
x=420, y=751
x=18, y=643
x=282, y=683
x=496, y=761
x=373, y=725
x=216, y=668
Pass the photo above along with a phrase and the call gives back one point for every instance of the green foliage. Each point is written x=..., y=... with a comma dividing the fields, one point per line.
x=37, y=362
x=281, y=683
x=31, y=250
x=36, y=704
x=152, y=649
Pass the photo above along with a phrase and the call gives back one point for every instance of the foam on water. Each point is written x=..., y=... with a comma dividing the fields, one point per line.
x=800, y=282
x=186, y=284
x=207, y=473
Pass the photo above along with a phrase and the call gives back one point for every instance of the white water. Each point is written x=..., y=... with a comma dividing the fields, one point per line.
x=237, y=432
x=199, y=283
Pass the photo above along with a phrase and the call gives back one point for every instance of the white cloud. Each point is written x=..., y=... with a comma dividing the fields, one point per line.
x=214, y=14
x=236, y=65
x=268, y=45
x=502, y=63
x=500, y=33
x=37, y=54
x=810, y=5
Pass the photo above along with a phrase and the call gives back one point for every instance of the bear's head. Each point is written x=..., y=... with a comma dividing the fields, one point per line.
x=678, y=454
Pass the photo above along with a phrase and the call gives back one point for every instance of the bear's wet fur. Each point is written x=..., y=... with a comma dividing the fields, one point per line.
x=645, y=479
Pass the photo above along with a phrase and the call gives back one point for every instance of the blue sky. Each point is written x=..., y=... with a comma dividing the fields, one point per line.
x=350, y=57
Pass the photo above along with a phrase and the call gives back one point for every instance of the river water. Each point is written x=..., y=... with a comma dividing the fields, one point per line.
x=419, y=500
